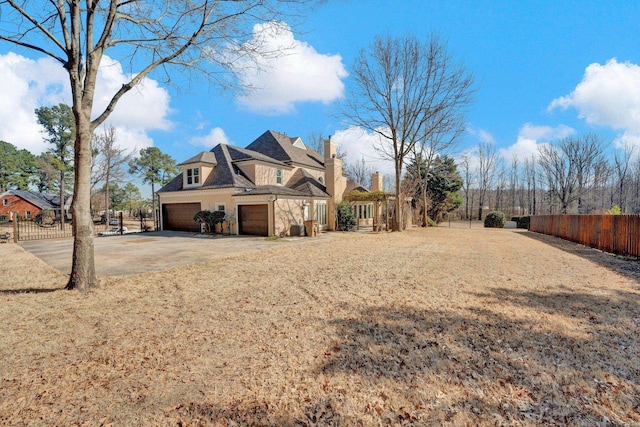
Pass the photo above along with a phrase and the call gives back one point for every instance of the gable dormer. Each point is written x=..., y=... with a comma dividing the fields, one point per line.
x=196, y=169
x=297, y=142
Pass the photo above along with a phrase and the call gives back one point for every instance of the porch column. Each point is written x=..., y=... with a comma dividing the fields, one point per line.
x=312, y=210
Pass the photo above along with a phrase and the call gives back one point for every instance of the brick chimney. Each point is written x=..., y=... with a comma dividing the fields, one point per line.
x=334, y=181
x=377, y=182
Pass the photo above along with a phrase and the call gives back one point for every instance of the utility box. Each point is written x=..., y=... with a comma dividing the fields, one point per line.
x=311, y=228
x=295, y=230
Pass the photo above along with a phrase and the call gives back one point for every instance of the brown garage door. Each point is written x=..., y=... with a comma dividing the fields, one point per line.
x=254, y=219
x=179, y=216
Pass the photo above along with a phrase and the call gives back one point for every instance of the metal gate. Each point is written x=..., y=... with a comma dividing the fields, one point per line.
x=29, y=229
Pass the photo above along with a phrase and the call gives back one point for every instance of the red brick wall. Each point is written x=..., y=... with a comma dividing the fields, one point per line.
x=17, y=204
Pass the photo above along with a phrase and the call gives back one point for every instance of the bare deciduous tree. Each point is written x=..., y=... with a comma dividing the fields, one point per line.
x=569, y=168
x=360, y=171
x=439, y=143
x=315, y=141
x=487, y=167
x=405, y=90
x=530, y=176
x=108, y=162
x=467, y=182
x=622, y=162
x=154, y=35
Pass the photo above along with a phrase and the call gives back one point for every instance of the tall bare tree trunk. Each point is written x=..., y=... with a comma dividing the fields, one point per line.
x=397, y=221
x=83, y=273
x=62, y=199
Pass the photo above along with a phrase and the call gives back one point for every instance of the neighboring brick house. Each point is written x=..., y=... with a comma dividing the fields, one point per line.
x=29, y=204
x=271, y=187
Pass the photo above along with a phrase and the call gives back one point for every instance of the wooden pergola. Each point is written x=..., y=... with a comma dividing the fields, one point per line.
x=376, y=197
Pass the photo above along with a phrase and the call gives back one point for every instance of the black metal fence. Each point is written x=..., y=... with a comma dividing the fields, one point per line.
x=30, y=229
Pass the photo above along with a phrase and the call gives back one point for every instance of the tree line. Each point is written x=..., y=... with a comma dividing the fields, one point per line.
x=112, y=166
x=574, y=175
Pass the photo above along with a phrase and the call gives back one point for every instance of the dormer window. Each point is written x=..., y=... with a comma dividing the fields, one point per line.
x=193, y=176
x=279, y=179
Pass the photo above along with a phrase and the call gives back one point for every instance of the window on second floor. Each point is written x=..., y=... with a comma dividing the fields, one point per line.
x=193, y=176
x=221, y=207
x=279, y=179
x=5, y=202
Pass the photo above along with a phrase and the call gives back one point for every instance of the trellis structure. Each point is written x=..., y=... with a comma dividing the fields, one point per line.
x=375, y=197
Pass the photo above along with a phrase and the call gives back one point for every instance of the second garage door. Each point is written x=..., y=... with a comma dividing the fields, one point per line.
x=254, y=219
x=179, y=216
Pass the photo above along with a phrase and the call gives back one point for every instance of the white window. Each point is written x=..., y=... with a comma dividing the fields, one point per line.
x=27, y=214
x=5, y=202
x=279, y=176
x=221, y=207
x=364, y=211
x=321, y=213
x=193, y=176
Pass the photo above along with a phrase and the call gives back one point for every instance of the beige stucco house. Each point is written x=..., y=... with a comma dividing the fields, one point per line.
x=271, y=187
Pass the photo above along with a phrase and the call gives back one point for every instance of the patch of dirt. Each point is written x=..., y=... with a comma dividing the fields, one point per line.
x=443, y=326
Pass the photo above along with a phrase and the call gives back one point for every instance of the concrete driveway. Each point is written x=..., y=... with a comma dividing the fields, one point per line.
x=138, y=253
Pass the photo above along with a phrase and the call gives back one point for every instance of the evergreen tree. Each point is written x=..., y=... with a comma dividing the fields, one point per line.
x=17, y=168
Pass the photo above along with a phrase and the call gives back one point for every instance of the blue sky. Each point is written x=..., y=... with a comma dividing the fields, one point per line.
x=543, y=70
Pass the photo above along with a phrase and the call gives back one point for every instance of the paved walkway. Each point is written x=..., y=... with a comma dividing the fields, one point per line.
x=138, y=253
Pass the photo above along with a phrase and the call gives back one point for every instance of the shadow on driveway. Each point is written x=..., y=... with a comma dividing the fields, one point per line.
x=153, y=251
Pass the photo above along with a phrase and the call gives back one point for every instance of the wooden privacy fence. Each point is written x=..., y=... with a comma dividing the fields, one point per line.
x=618, y=234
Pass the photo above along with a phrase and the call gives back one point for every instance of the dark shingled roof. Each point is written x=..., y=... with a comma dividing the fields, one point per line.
x=204, y=157
x=304, y=182
x=225, y=174
x=272, y=147
x=280, y=147
x=242, y=154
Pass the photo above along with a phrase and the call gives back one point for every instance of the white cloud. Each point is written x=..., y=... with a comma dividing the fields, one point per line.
x=530, y=137
x=214, y=137
x=360, y=144
x=27, y=84
x=536, y=132
x=608, y=95
x=482, y=135
x=295, y=72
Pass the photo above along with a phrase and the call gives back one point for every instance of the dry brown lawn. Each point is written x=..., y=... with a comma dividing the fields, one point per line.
x=445, y=326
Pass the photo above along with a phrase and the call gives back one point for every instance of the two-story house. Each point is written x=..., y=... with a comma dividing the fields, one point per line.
x=268, y=188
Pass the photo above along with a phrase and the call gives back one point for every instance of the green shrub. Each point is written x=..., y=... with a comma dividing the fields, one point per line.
x=614, y=211
x=344, y=216
x=522, y=221
x=495, y=219
x=431, y=222
x=210, y=219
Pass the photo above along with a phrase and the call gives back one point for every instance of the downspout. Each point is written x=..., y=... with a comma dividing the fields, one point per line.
x=273, y=216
